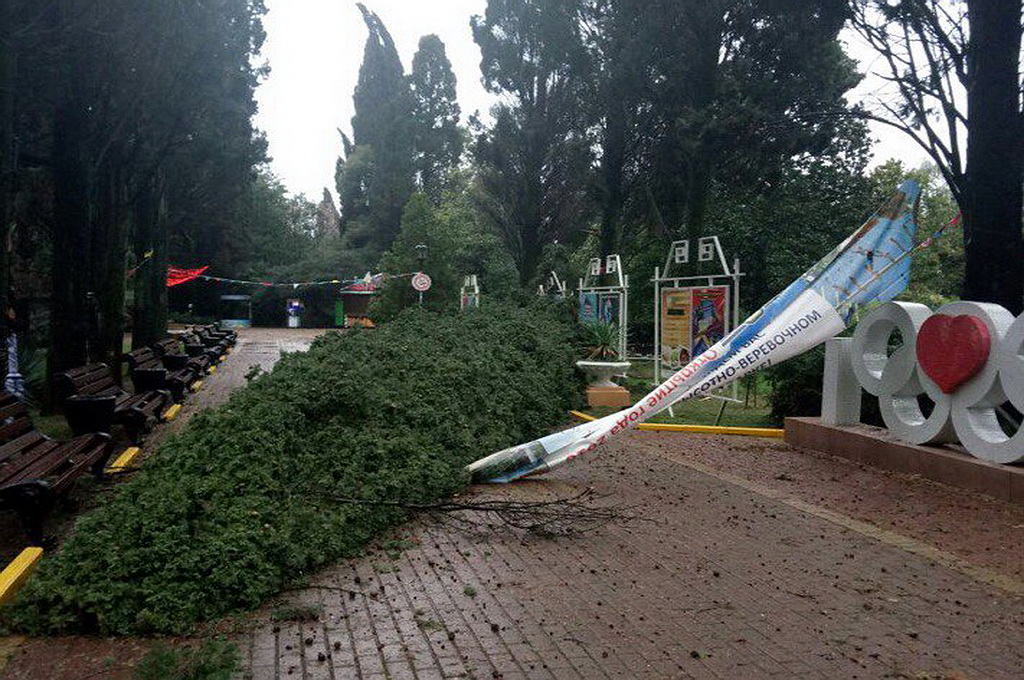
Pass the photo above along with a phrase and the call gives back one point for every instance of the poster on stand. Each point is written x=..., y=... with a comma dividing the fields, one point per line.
x=676, y=326
x=588, y=307
x=603, y=307
x=710, y=306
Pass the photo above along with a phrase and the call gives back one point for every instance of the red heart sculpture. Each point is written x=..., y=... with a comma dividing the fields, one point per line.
x=953, y=349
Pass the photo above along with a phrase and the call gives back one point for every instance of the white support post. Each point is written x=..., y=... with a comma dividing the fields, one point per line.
x=657, y=326
x=840, y=393
x=624, y=319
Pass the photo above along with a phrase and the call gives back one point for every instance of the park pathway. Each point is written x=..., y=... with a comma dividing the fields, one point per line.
x=750, y=560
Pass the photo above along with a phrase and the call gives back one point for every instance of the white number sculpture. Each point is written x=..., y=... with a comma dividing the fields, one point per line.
x=970, y=412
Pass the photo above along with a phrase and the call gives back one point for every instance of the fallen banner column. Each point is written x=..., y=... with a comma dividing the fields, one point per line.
x=873, y=264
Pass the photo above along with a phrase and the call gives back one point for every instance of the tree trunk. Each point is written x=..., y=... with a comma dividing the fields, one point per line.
x=707, y=47
x=149, y=317
x=72, y=228
x=109, y=250
x=8, y=162
x=612, y=164
x=993, y=241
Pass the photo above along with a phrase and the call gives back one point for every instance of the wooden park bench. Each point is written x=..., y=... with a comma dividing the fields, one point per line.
x=196, y=347
x=171, y=351
x=93, y=402
x=150, y=372
x=35, y=469
x=210, y=340
x=225, y=334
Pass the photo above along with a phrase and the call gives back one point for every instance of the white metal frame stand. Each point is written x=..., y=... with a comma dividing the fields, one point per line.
x=709, y=249
x=611, y=266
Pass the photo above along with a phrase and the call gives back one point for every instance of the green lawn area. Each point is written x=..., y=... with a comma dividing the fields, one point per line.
x=53, y=425
x=753, y=411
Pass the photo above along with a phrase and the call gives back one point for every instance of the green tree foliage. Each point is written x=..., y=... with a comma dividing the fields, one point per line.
x=389, y=415
x=618, y=36
x=457, y=245
x=124, y=111
x=436, y=112
x=955, y=68
x=534, y=161
x=280, y=230
x=375, y=177
x=742, y=88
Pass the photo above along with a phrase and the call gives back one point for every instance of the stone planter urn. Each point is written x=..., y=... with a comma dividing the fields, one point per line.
x=602, y=392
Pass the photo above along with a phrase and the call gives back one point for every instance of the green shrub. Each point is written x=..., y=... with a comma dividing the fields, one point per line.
x=796, y=385
x=796, y=389
x=244, y=500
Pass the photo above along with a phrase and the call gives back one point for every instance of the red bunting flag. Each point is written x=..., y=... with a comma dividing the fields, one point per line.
x=176, y=276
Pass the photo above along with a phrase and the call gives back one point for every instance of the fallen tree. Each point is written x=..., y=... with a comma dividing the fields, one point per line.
x=222, y=516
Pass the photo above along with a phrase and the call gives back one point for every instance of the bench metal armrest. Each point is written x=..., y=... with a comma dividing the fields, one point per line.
x=90, y=413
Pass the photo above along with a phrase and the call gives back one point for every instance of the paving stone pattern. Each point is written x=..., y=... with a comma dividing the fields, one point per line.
x=718, y=581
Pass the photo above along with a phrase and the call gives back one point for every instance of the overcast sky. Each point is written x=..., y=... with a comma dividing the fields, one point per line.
x=315, y=48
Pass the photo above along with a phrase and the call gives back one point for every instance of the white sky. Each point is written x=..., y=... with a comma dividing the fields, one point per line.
x=315, y=48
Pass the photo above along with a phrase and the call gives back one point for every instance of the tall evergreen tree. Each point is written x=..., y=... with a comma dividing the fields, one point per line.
x=111, y=98
x=534, y=161
x=435, y=115
x=618, y=35
x=741, y=88
x=375, y=177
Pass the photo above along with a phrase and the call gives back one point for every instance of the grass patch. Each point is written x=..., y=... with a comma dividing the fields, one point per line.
x=754, y=411
x=52, y=425
x=297, y=613
x=213, y=660
x=250, y=497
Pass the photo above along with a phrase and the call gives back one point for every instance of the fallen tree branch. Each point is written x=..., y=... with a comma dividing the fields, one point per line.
x=575, y=514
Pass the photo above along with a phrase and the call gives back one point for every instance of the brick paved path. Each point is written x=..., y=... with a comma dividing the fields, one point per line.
x=729, y=579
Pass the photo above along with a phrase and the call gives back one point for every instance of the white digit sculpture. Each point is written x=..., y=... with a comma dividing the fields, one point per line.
x=970, y=414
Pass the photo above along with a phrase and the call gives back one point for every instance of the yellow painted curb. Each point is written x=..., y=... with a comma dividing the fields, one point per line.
x=700, y=429
x=124, y=460
x=196, y=386
x=171, y=413
x=15, y=573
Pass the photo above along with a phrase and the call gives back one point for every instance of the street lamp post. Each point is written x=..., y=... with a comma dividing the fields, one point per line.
x=421, y=256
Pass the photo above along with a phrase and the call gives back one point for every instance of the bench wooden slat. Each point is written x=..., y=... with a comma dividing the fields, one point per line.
x=30, y=462
x=35, y=468
x=12, y=430
x=54, y=462
x=136, y=412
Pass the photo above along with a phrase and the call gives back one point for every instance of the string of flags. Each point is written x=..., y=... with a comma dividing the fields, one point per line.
x=177, y=276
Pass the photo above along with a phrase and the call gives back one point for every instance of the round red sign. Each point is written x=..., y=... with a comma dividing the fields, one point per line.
x=421, y=282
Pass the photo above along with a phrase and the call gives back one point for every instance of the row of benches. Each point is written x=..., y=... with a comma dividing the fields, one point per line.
x=35, y=469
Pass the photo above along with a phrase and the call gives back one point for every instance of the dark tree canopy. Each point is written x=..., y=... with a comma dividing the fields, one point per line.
x=435, y=116
x=534, y=160
x=375, y=178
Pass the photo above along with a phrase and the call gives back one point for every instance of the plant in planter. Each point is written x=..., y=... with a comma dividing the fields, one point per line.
x=601, y=343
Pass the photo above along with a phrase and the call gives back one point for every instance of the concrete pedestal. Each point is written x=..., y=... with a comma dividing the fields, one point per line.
x=613, y=396
x=875, y=446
